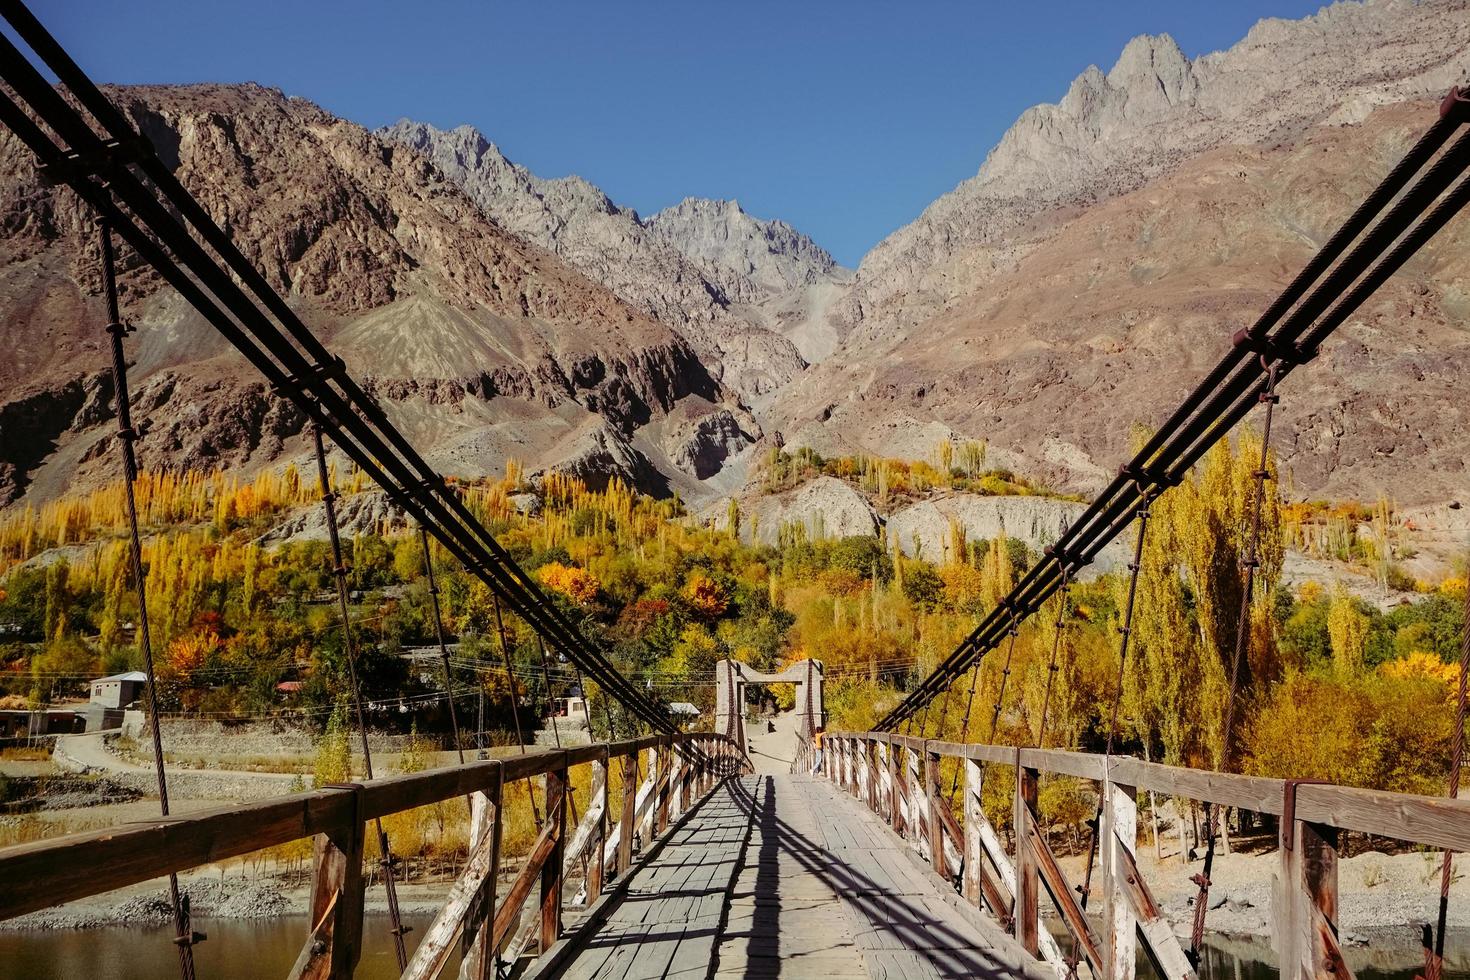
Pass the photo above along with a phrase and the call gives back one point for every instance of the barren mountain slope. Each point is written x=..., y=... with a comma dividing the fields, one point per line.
x=1155, y=109
x=706, y=268
x=1114, y=315
x=481, y=345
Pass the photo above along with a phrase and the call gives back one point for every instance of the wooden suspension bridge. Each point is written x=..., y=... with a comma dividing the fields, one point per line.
x=705, y=867
x=849, y=858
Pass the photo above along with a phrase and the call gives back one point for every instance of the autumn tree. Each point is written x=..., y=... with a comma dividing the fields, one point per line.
x=1347, y=627
x=333, y=761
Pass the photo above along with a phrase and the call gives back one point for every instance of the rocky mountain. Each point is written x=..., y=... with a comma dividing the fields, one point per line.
x=1110, y=244
x=1085, y=277
x=714, y=273
x=480, y=346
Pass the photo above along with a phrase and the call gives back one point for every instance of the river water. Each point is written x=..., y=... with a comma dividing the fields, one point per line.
x=243, y=949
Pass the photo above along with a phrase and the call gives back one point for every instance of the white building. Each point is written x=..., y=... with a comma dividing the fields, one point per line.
x=119, y=690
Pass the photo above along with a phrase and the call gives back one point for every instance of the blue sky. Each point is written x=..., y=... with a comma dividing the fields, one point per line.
x=844, y=119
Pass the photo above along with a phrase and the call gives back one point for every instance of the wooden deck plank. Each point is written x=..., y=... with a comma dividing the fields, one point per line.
x=788, y=876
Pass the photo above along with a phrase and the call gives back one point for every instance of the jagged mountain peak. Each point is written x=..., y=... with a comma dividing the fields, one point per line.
x=1110, y=133
x=665, y=266
x=728, y=239
x=481, y=346
x=1138, y=221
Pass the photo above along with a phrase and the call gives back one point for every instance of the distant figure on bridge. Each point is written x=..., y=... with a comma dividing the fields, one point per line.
x=817, y=749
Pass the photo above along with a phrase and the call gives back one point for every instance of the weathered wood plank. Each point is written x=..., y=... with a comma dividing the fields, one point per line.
x=938, y=809
x=1437, y=821
x=1084, y=765
x=1117, y=831
x=1245, y=792
x=1062, y=897
x=51, y=872
x=392, y=794
x=557, y=788
x=1027, y=888
x=478, y=959
x=434, y=949
x=1003, y=754
x=335, y=943
x=1309, y=945
x=1159, y=942
x=520, y=889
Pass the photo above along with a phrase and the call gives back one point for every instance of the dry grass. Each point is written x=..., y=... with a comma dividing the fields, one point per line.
x=239, y=763
x=25, y=753
x=27, y=829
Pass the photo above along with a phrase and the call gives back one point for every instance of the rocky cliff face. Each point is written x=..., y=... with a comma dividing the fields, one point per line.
x=1087, y=275
x=705, y=268
x=479, y=344
x=1100, y=260
x=751, y=260
x=1113, y=132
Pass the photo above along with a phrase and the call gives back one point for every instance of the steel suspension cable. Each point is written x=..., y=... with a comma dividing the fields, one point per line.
x=1005, y=676
x=571, y=790
x=1051, y=667
x=1125, y=632
x=1249, y=564
x=349, y=646
x=184, y=935
x=515, y=711
x=944, y=711
x=954, y=785
x=443, y=646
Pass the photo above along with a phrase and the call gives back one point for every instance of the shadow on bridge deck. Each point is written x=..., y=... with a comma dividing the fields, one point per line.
x=782, y=876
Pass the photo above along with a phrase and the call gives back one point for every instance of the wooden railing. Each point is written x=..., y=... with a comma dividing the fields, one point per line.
x=899, y=778
x=681, y=769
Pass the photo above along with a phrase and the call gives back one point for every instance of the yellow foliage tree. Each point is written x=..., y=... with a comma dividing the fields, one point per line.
x=187, y=653
x=577, y=584
x=706, y=597
x=1347, y=628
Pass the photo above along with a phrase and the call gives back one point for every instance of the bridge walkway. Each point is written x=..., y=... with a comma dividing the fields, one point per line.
x=780, y=875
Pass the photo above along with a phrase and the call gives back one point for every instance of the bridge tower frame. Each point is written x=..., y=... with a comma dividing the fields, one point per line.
x=732, y=677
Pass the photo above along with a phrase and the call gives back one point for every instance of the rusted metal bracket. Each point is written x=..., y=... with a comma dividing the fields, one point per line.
x=102, y=160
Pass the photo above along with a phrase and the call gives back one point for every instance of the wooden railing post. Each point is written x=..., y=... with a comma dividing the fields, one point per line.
x=662, y=786
x=865, y=772
x=1118, y=835
x=485, y=818
x=890, y=771
x=1308, y=939
x=933, y=801
x=1026, y=922
x=914, y=792
x=630, y=801
x=678, y=799
x=335, y=944
x=551, y=871
x=974, y=849
x=600, y=774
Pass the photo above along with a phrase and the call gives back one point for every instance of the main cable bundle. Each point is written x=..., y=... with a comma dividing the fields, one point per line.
x=85, y=142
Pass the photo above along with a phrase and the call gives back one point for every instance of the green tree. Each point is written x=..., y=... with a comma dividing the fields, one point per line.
x=333, y=762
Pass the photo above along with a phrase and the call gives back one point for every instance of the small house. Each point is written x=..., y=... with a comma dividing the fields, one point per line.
x=119, y=690
x=572, y=707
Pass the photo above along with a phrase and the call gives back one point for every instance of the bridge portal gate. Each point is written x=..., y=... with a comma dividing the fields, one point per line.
x=732, y=677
